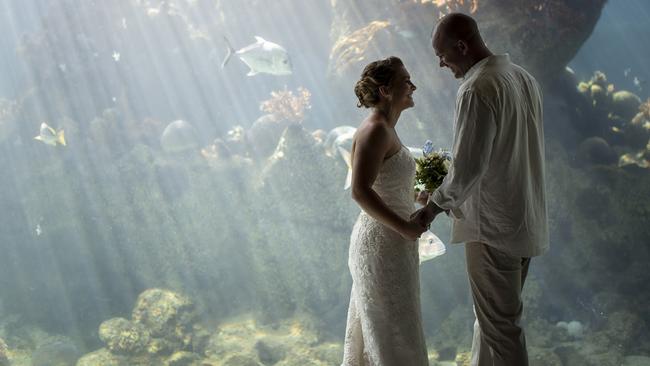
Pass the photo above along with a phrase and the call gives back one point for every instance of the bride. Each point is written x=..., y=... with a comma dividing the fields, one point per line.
x=384, y=326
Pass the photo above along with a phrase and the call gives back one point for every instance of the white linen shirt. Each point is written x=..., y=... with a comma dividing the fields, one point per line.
x=495, y=184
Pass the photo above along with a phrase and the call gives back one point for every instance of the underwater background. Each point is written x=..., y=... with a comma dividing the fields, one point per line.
x=196, y=214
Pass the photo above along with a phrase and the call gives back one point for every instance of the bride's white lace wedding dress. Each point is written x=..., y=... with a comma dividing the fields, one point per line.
x=384, y=325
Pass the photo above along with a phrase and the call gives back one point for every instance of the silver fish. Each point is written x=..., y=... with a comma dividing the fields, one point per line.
x=49, y=136
x=262, y=57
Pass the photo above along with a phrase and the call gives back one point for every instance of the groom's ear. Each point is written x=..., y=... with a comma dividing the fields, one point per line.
x=462, y=47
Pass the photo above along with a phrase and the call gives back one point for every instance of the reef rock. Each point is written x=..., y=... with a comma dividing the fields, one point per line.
x=182, y=359
x=102, y=357
x=625, y=104
x=122, y=336
x=179, y=136
x=167, y=315
x=264, y=134
x=595, y=150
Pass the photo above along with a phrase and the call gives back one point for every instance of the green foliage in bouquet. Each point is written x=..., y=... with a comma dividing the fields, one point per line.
x=431, y=170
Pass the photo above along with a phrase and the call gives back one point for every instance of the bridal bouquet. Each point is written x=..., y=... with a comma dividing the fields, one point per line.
x=432, y=168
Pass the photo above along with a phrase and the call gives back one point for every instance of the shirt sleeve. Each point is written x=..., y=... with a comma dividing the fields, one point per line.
x=473, y=139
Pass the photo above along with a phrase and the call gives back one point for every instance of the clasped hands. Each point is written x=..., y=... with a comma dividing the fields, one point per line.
x=422, y=218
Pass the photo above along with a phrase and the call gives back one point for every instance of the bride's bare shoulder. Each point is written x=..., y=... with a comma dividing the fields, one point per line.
x=373, y=130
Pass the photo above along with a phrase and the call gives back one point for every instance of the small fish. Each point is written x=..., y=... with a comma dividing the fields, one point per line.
x=124, y=23
x=49, y=136
x=116, y=56
x=63, y=67
x=38, y=230
x=261, y=57
x=348, y=161
x=639, y=83
x=627, y=72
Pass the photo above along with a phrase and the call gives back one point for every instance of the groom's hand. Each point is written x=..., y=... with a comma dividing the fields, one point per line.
x=426, y=214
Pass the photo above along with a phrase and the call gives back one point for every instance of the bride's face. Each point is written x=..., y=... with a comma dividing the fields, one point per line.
x=402, y=90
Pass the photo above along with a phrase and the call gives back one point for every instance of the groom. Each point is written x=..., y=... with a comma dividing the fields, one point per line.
x=495, y=187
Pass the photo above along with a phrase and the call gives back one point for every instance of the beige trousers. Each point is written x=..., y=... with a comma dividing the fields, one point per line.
x=496, y=280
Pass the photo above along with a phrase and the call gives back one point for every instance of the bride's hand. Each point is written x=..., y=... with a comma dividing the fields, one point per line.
x=411, y=230
x=422, y=198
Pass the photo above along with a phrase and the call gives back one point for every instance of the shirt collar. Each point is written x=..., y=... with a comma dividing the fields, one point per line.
x=490, y=60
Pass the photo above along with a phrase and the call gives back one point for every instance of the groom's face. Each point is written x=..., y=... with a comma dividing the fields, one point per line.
x=450, y=56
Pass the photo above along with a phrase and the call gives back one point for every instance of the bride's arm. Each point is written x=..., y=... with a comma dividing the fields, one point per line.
x=371, y=146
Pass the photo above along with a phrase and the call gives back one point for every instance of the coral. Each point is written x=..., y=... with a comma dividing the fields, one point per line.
x=217, y=150
x=182, y=359
x=102, y=357
x=598, y=90
x=166, y=315
x=643, y=116
x=352, y=48
x=615, y=115
x=163, y=325
x=283, y=109
x=283, y=105
x=289, y=342
x=625, y=104
x=122, y=336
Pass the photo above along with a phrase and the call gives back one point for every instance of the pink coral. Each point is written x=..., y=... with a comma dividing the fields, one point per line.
x=283, y=105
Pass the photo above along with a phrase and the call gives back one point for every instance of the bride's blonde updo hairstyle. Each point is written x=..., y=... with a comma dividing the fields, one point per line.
x=375, y=74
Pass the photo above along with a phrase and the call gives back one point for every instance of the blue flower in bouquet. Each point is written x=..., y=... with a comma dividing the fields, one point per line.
x=427, y=149
x=445, y=154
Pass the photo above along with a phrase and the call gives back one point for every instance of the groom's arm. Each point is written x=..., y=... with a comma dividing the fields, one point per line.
x=475, y=132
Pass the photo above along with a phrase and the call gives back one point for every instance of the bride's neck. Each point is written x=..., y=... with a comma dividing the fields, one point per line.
x=391, y=115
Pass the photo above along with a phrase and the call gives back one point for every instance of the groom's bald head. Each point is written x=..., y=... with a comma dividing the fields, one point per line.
x=457, y=42
x=456, y=27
